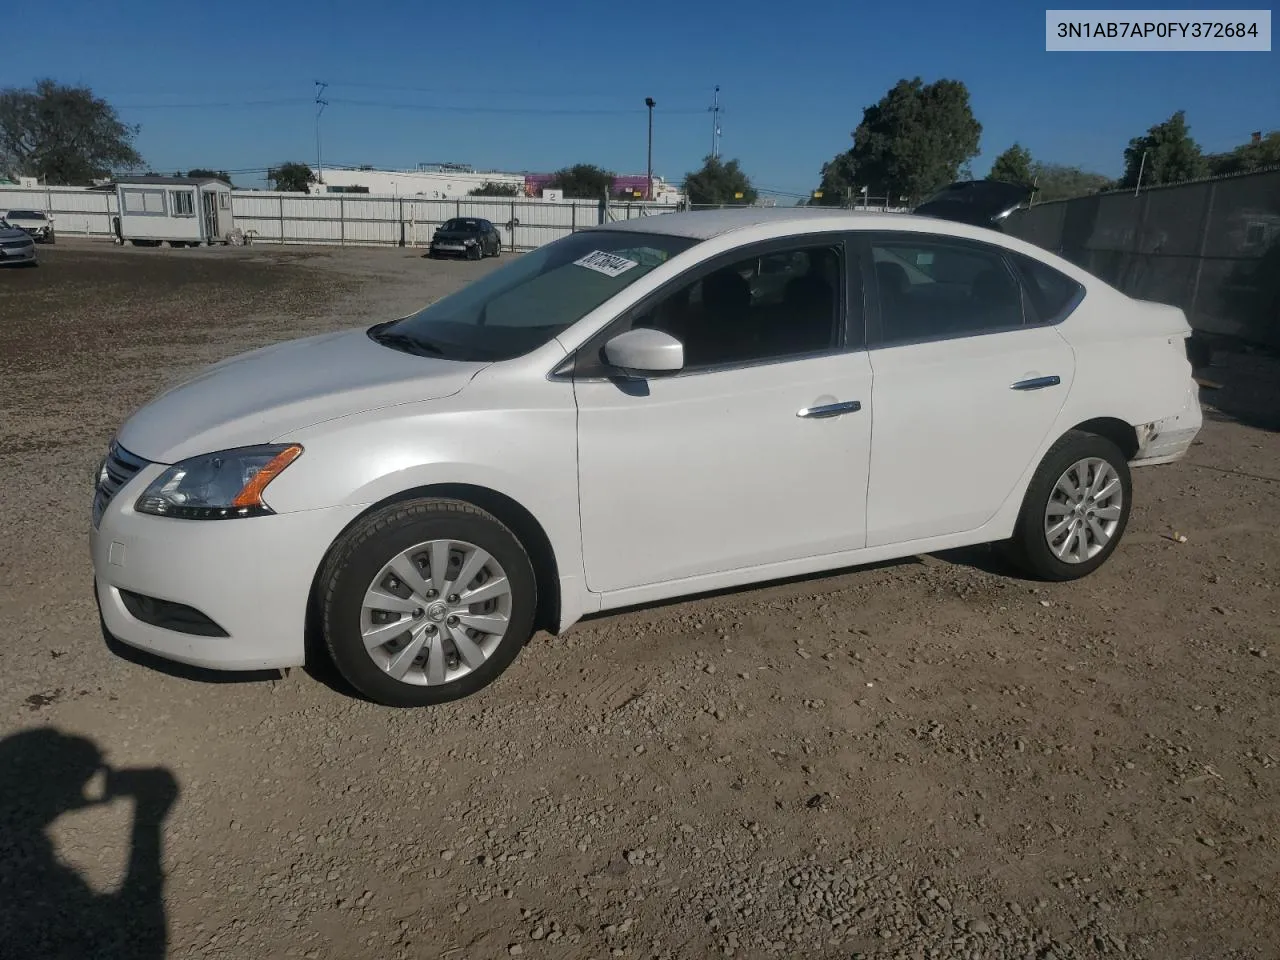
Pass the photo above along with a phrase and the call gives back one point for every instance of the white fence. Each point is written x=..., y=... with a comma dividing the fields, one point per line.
x=356, y=219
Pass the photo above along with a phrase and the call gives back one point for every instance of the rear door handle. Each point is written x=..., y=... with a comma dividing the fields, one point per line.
x=1037, y=383
x=830, y=410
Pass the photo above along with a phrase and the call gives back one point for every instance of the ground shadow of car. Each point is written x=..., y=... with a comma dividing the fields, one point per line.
x=46, y=908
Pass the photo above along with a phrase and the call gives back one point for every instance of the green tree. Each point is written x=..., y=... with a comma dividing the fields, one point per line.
x=63, y=134
x=1171, y=154
x=719, y=182
x=291, y=177
x=217, y=174
x=1013, y=166
x=837, y=184
x=1255, y=155
x=583, y=181
x=914, y=141
x=491, y=189
x=1055, y=181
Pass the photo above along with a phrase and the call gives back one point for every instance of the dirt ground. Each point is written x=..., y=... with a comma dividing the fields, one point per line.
x=930, y=758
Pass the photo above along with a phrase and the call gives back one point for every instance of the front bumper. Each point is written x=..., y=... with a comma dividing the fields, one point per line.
x=18, y=254
x=449, y=249
x=250, y=576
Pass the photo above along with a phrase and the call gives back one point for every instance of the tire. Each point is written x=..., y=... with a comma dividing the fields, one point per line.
x=1030, y=546
x=365, y=552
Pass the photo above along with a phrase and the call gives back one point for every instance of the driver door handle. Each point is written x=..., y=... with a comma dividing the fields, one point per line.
x=830, y=410
x=1037, y=383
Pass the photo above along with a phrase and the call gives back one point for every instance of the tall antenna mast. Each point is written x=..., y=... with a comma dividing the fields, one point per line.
x=321, y=103
x=715, y=124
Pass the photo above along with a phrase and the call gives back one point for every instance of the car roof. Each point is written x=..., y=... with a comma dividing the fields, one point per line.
x=781, y=221
x=706, y=224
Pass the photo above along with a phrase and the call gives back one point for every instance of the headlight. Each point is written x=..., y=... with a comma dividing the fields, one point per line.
x=217, y=486
x=470, y=241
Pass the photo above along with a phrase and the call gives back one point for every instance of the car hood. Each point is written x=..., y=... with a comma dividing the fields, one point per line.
x=457, y=235
x=13, y=233
x=263, y=395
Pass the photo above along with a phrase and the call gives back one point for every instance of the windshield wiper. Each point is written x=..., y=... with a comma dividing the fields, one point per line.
x=402, y=341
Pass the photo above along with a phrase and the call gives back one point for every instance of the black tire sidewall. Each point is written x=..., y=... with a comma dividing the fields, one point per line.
x=1032, y=547
x=384, y=535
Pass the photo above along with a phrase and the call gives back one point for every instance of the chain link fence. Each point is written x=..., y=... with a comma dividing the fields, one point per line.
x=1211, y=247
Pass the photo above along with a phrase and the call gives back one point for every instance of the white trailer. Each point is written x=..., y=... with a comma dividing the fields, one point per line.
x=180, y=211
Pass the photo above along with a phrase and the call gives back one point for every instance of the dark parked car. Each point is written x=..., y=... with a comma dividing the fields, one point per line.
x=16, y=245
x=470, y=237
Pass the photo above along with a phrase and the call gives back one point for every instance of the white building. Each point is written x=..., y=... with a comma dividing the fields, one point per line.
x=430, y=183
x=453, y=182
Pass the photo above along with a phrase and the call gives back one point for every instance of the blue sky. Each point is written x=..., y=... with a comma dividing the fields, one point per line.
x=535, y=86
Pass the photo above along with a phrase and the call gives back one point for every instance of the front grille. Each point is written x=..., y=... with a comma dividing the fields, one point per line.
x=116, y=470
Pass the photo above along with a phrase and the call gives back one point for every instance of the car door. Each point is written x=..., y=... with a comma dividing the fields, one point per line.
x=968, y=383
x=755, y=452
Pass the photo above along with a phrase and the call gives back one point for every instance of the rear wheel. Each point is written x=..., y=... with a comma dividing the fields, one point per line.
x=1075, y=510
x=426, y=602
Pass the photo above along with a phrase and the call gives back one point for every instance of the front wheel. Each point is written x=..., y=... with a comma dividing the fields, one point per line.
x=1075, y=510
x=427, y=601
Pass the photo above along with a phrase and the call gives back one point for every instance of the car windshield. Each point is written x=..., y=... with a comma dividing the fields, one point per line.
x=521, y=306
x=462, y=225
x=25, y=215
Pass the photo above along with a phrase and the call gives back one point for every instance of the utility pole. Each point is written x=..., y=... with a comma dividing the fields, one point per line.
x=321, y=103
x=715, y=124
x=649, y=102
x=1141, y=167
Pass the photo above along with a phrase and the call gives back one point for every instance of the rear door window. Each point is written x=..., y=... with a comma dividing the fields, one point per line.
x=1052, y=293
x=932, y=288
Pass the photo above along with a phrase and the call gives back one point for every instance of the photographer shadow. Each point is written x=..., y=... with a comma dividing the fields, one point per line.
x=47, y=909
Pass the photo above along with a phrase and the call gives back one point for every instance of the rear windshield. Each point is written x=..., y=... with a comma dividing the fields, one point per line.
x=522, y=305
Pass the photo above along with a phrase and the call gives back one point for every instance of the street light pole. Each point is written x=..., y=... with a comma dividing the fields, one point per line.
x=649, y=102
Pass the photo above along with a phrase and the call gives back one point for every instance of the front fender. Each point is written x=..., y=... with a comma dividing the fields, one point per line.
x=526, y=455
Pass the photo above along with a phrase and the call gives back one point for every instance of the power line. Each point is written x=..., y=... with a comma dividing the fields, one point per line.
x=401, y=105
x=523, y=91
x=214, y=104
x=532, y=111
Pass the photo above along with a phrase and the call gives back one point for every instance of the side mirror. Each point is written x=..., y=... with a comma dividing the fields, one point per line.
x=644, y=351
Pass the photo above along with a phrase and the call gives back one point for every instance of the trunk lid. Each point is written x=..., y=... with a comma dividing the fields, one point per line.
x=981, y=203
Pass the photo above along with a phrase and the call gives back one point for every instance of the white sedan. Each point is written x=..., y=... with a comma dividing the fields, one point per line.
x=638, y=411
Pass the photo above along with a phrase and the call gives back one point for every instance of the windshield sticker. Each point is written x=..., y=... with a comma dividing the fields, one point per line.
x=610, y=264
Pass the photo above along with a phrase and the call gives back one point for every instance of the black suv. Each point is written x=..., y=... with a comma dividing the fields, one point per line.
x=470, y=237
